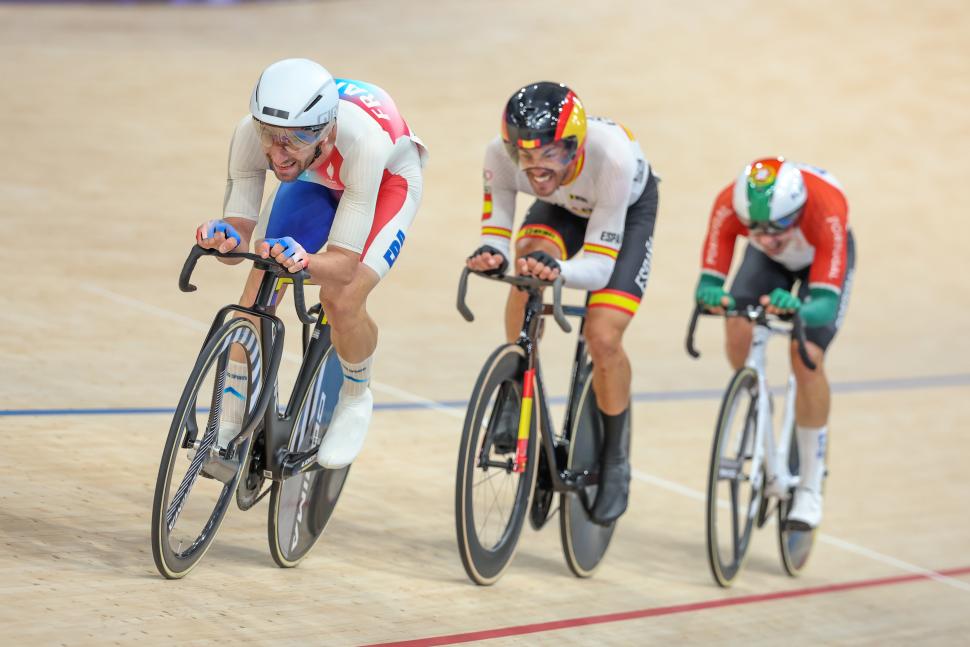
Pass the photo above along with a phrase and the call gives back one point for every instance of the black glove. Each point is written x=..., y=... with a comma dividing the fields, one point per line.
x=545, y=259
x=488, y=249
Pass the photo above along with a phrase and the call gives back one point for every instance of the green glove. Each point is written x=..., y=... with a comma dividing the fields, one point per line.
x=710, y=292
x=784, y=300
x=821, y=308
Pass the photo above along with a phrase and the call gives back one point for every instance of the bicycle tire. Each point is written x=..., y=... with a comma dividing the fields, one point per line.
x=486, y=550
x=169, y=507
x=795, y=545
x=584, y=542
x=301, y=506
x=732, y=470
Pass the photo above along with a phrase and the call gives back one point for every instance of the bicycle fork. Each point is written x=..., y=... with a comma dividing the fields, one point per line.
x=525, y=420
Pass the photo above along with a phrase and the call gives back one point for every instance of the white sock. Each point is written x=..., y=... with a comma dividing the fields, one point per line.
x=234, y=394
x=811, y=455
x=356, y=376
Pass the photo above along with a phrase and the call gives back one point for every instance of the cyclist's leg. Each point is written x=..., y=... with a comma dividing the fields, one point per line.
x=812, y=404
x=305, y=211
x=547, y=228
x=610, y=312
x=354, y=332
x=757, y=275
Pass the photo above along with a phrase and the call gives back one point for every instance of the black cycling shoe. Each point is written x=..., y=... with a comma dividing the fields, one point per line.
x=614, y=482
x=505, y=422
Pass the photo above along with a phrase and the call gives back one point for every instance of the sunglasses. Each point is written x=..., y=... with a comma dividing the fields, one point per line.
x=774, y=227
x=293, y=140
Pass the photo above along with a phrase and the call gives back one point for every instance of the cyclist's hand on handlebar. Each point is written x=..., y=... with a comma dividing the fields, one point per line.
x=538, y=264
x=488, y=260
x=285, y=251
x=714, y=299
x=218, y=235
x=780, y=302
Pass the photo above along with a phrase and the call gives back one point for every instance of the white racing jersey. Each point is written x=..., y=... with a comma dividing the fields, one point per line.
x=373, y=143
x=610, y=176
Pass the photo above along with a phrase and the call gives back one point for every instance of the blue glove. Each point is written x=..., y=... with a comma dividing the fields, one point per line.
x=293, y=257
x=207, y=232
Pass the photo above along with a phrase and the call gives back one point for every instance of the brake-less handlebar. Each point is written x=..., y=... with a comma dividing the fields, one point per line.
x=265, y=264
x=529, y=283
x=756, y=313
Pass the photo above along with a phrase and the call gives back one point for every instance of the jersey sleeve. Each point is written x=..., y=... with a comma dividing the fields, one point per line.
x=825, y=225
x=604, y=232
x=498, y=205
x=723, y=230
x=361, y=174
x=246, y=174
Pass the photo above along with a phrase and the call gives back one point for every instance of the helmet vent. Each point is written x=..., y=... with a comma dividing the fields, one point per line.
x=273, y=112
x=313, y=103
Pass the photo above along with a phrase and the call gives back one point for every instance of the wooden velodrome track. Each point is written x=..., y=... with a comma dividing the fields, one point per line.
x=116, y=121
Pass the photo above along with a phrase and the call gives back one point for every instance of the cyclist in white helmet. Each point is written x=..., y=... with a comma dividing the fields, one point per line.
x=795, y=217
x=351, y=181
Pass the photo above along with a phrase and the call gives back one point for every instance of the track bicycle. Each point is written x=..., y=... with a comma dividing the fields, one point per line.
x=511, y=461
x=274, y=453
x=752, y=474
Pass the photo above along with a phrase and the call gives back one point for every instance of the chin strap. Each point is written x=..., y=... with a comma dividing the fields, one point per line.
x=316, y=154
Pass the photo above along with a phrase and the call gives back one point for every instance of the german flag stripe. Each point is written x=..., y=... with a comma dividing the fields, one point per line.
x=497, y=231
x=544, y=233
x=600, y=249
x=614, y=299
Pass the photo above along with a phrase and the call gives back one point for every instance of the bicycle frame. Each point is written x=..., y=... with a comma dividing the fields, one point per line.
x=278, y=463
x=534, y=403
x=779, y=476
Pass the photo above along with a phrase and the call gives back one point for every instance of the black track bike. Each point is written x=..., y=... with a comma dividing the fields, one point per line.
x=274, y=453
x=512, y=463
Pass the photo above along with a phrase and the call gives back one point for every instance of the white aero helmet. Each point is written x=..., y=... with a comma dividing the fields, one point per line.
x=769, y=194
x=295, y=93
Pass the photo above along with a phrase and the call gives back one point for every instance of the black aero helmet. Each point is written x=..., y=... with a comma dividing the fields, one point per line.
x=543, y=113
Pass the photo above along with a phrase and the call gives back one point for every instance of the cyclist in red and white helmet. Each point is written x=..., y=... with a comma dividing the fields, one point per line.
x=795, y=218
x=351, y=179
x=595, y=193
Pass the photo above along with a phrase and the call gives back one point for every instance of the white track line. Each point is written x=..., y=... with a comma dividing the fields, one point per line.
x=670, y=486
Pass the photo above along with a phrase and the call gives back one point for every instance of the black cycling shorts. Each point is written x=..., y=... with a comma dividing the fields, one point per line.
x=567, y=230
x=759, y=275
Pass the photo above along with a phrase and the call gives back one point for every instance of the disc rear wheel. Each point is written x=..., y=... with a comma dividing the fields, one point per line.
x=301, y=506
x=584, y=542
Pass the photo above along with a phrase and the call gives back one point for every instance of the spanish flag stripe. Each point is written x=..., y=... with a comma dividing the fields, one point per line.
x=621, y=293
x=525, y=421
x=617, y=301
x=543, y=233
x=600, y=249
x=497, y=231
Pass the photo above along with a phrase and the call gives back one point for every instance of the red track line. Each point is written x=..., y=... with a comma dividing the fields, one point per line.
x=666, y=611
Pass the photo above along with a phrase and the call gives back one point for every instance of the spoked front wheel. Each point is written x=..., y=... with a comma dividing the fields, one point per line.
x=734, y=489
x=796, y=545
x=196, y=483
x=301, y=506
x=584, y=542
x=491, y=496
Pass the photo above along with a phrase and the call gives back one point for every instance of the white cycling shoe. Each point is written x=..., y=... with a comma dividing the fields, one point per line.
x=348, y=429
x=806, y=510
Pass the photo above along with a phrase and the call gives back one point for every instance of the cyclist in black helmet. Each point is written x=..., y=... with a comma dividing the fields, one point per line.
x=595, y=193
